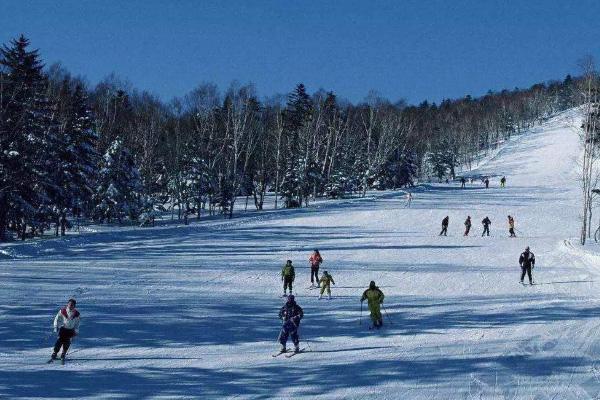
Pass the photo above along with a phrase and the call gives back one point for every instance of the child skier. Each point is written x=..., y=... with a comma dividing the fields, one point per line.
x=287, y=276
x=315, y=262
x=374, y=297
x=291, y=314
x=66, y=324
x=326, y=281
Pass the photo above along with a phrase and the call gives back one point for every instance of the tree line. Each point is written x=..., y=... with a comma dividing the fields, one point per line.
x=111, y=153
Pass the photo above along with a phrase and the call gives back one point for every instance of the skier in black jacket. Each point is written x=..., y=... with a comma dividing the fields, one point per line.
x=445, y=222
x=527, y=262
x=486, y=226
x=291, y=314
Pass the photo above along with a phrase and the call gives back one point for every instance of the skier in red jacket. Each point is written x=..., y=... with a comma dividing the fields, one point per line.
x=315, y=262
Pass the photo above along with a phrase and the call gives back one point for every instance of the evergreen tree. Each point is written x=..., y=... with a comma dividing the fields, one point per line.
x=84, y=141
x=26, y=136
x=119, y=186
x=298, y=113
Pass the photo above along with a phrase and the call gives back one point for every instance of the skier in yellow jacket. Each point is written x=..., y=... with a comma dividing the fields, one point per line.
x=374, y=297
x=325, y=283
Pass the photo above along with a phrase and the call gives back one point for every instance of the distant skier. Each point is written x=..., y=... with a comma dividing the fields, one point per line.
x=287, y=276
x=503, y=182
x=527, y=262
x=408, y=199
x=468, y=225
x=325, y=283
x=486, y=226
x=487, y=183
x=66, y=324
x=445, y=222
x=315, y=262
x=374, y=297
x=291, y=314
x=463, y=181
x=511, y=226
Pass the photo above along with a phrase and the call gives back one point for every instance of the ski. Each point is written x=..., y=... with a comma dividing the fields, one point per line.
x=50, y=361
x=278, y=354
x=293, y=353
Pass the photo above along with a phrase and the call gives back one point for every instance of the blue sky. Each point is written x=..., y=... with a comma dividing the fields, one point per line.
x=414, y=50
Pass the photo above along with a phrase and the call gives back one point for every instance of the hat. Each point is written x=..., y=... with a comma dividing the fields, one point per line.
x=291, y=298
x=372, y=285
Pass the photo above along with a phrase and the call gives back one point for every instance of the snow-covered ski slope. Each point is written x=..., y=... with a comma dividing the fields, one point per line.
x=191, y=312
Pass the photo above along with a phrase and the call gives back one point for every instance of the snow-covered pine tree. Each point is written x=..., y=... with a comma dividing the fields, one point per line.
x=298, y=114
x=84, y=140
x=119, y=185
x=26, y=137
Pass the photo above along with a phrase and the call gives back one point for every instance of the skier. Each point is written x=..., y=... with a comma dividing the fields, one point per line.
x=287, y=276
x=487, y=183
x=408, y=199
x=467, y=225
x=315, y=262
x=463, y=181
x=511, y=226
x=66, y=324
x=527, y=262
x=374, y=297
x=291, y=314
x=503, y=182
x=325, y=283
x=445, y=222
x=486, y=226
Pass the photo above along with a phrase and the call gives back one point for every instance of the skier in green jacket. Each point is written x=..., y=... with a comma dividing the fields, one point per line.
x=325, y=283
x=287, y=276
x=374, y=297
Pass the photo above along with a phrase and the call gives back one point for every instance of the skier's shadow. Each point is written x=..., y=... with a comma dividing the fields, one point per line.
x=561, y=282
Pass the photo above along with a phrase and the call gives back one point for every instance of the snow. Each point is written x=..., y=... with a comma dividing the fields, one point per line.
x=191, y=311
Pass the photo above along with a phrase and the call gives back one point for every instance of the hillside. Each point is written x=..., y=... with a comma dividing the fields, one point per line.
x=192, y=311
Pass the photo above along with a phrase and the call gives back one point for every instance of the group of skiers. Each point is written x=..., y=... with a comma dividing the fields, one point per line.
x=485, y=181
x=66, y=321
x=288, y=275
x=486, y=222
x=291, y=313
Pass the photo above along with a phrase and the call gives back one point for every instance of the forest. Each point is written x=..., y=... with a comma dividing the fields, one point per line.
x=109, y=153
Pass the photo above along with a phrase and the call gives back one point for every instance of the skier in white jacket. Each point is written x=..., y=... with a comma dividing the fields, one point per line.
x=66, y=324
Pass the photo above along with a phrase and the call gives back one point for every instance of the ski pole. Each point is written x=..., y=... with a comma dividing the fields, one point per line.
x=386, y=314
x=360, y=319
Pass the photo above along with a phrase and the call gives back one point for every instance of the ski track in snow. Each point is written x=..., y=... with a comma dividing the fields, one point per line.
x=191, y=312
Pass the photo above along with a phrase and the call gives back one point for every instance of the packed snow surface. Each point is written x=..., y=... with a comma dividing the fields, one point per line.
x=191, y=312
